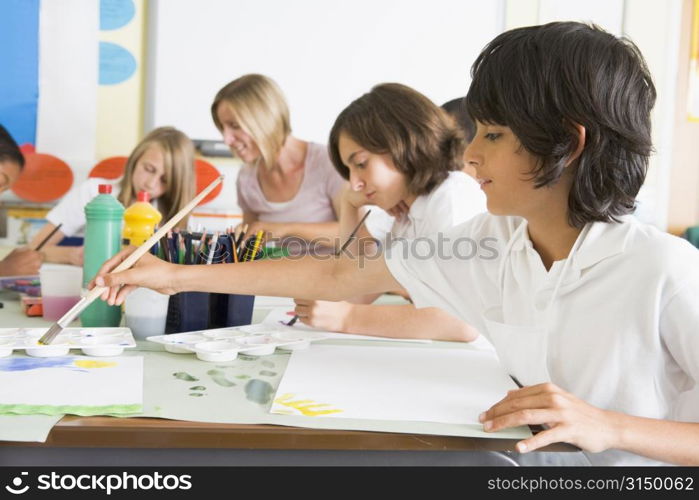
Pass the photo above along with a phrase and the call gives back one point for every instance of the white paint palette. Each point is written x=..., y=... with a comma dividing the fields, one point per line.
x=92, y=341
x=224, y=344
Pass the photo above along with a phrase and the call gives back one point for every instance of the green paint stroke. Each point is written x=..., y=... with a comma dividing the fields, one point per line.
x=197, y=388
x=196, y=394
x=259, y=391
x=83, y=411
x=245, y=357
x=267, y=373
x=185, y=376
x=220, y=378
x=242, y=377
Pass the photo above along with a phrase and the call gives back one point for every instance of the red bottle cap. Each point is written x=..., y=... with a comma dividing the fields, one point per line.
x=143, y=196
x=105, y=189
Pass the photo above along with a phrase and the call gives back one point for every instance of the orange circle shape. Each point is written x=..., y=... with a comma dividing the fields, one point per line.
x=44, y=178
x=206, y=174
x=109, y=168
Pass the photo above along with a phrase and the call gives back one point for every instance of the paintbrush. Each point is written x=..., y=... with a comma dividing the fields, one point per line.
x=200, y=246
x=48, y=237
x=212, y=249
x=243, y=230
x=129, y=261
x=342, y=249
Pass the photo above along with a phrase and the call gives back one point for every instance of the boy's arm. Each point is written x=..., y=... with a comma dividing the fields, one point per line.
x=395, y=321
x=311, y=277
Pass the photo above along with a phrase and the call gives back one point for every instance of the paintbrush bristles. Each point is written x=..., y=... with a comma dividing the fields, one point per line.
x=48, y=337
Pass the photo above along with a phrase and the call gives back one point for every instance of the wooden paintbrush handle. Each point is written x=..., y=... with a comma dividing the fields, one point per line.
x=88, y=299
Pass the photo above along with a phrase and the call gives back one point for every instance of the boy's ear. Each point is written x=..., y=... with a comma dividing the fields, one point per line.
x=580, y=132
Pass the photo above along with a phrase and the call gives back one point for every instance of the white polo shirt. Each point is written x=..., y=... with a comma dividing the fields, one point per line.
x=623, y=324
x=454, y=201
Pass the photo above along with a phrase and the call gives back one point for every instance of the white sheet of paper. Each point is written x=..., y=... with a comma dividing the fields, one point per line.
x=71, y=381
x=278, y=315
x=421, y=384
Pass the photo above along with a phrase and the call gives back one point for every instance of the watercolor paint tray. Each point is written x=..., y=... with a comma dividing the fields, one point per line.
x=92, y=341
x=224, y=344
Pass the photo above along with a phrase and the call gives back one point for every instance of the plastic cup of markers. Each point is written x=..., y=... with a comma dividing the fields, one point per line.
x=216, y=351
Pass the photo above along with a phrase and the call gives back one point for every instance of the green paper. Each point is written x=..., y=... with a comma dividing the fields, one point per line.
x=83, y=411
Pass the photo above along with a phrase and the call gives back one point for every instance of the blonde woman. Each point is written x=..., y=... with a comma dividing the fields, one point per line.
x=287, y=187
x=161, y=164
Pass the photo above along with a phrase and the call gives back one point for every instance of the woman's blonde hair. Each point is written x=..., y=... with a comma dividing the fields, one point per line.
x=261, y=111
x=178, y=163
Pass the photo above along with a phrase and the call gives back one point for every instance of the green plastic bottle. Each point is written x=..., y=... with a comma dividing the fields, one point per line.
x=104, y=215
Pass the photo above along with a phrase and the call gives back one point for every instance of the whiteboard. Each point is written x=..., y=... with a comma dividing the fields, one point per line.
x=323, y=54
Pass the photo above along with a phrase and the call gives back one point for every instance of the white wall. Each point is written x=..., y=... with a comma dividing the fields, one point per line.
x=68, y=69
x=323, y=54
x=655, y=27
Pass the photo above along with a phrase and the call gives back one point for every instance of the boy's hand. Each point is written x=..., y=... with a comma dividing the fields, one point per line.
x=330, y=316
x=21, y=262
x=570, y=419
x=149, y=272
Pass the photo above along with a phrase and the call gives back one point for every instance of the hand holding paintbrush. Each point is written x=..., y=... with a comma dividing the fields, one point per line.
x=128, y=261
x=344, y=246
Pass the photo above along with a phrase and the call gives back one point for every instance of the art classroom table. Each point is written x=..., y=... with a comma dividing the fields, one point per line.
x=154, y=441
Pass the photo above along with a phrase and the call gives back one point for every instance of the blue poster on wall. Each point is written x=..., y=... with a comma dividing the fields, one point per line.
x=115, y=14
x=19, y=60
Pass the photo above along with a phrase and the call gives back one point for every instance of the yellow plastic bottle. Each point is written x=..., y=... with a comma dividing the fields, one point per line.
x=140, y=220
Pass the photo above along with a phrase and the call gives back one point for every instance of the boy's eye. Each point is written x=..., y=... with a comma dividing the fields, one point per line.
x=492, y=136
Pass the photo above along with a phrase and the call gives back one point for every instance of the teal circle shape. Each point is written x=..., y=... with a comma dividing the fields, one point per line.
x=116, y=64
x=115, y=14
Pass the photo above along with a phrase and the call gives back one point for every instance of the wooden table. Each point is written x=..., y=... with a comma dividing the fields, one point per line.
x=152, y=441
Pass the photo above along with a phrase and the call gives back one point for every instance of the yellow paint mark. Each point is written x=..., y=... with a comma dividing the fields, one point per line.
x=306, y=407
x=89, y=363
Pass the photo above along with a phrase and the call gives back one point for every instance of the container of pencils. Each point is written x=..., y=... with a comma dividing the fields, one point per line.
x=190, y=311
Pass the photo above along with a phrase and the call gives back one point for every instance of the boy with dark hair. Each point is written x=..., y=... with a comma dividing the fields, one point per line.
x=21, y=261
x=594, y=312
